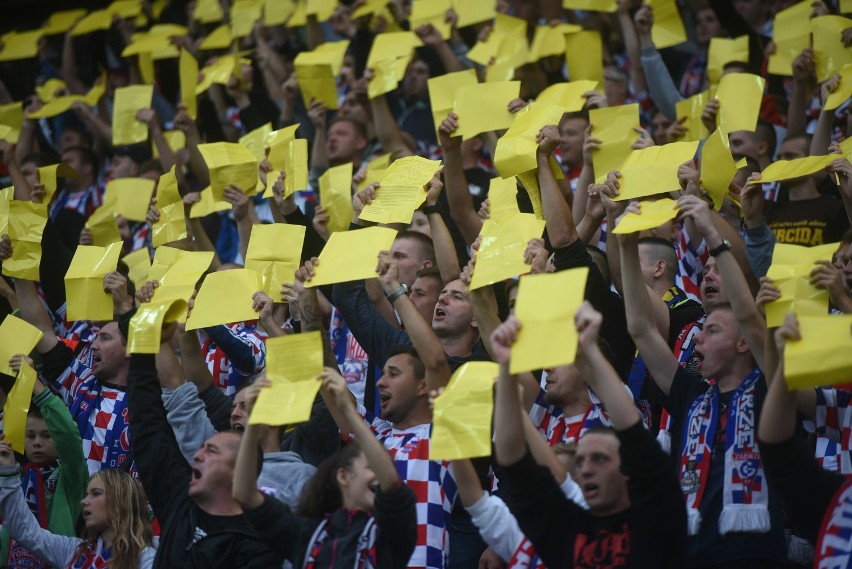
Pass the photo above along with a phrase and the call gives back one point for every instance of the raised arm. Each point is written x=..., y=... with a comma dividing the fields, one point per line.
x=509, y=440
x=804, y=81
x=419, y=331
x=778, y=417
x=155, y=131
x=245, y=473
x=557, y=212
x=445, y=250
x=387, y=130
x=33, y=311
x=458, y=195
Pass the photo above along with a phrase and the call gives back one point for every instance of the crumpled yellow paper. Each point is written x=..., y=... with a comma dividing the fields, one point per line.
x=351, y=255
x=17, y=406
x=275, y=252
x=822, y=356
x=84, y=282
x=462, y=415
x=172, y=224
x=16, y=337
x=790, y=270
x=128, y=100
x=501, y=250
x=25, y=228
x=229, y=163
x=401, y=190
x=516, y=149
x=652, y=214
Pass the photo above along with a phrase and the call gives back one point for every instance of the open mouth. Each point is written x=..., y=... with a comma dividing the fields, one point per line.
x=383, y=398
x=699, y=357
x=239, y=427
x=96, y=359
x=196, y=475
x=590, y=490
x=710, y=289
x=440, y=313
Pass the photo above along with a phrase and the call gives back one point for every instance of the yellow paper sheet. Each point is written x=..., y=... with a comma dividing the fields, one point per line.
x=103, y=227
x=175, y=268
x=244, y=14
x=208, y=11
x=668, y=27
x=176, y=140
x=220, y=38
x=17, y=406
x=130, y=197
x=12, y=115
x=6, y=195
x=255, y=140
x=47, y=92
x=158, y=45
x=293, y=365
x=834, y=100
x=789, y=169
x=501, y=251
x=128, y=100
x=139, y=263
x=352, y=255
x=26, y=225
x=292, y=157
x=20, y=45
x=471, y=12
x=790, y=34
x=61, y=22
x=717, y=166
x=822, y=356
x=375, y=170
x=322, y=9
x=94, y=21
x=336, y=196
x=691, y=108
x=394, y=45
x=207, y=205
x=84, y=282
x=274, y=252
x=723, y=51
x=225, y=297
x=484, y=107
x=16, y=337
x=790, y=270
x=653, y=214
x=219, y=72
x=583, y=56
x=93, y=96
x=550, y=40
x=739, y=95
x=276, y=13
x=653, y=170
x=545, y=306
x=145, y=330
x=830, y=55
x=401, y=190
x=188, y=69
x=462, y=415
x=386, y=76
x=316, y=82
x=433, y=12
x=516, y=150
x=503, y=198
x=442, y=92
x=282, y=135
x=614, y=127
x=591, y=5
x=172, y=224
x=529, y=181
x=229, y=163
x=568, y=95
x=47, y=176
x=55, y=107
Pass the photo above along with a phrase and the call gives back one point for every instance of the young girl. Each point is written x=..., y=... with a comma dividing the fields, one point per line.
x=54, y=479
x=355, y=512
x=118, y=529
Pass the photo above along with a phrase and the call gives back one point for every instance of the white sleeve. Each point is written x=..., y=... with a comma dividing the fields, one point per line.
x=497, y=526
x=573, y=492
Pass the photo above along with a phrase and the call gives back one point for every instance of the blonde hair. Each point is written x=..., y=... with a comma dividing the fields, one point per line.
x=127, y=510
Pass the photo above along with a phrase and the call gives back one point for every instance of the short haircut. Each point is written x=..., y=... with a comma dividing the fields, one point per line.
x=602, y=262
x=434, y=272
x=765, y=132
x=600, y=430
x=425, y=247
x=582, y=115
x=660, y=249
x=41, y=159
x=88, y=156
x=359, y=127
x=416, y=362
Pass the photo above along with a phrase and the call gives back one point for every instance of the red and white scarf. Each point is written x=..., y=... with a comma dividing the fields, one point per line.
x=365, y=557
x=745, y=493
x=93, y=557
x=33, y=486
x=834, y=545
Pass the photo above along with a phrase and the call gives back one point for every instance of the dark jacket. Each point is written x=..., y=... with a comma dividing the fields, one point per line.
x=190, y=537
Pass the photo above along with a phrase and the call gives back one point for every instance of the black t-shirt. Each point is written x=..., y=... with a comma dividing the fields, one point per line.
x=708, y=547
x=810, y=222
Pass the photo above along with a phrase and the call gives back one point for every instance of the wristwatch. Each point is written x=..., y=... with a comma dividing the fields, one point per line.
x=434, y=208
x=725, y=245
x=394, y=296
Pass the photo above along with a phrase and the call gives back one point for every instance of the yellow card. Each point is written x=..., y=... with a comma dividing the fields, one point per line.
x=386, y=76
x=276, y=13
x=614, y=126
x=188, y=69
x=47, y=92
x=207, y=205
x=128, y=100
x=501, y=252
x=244, y=14
x=229, y=163
x=176, y=140
x=433, y=12
x=788, y=169
x=484, y=107
x=172, y=223
x=442, y=92
x=668, y=27
x=652, y=215
x=130, y=197
x=293, y=366
x=20, y=45
x=653, y=170
x=462, y=415
x=471, y=12
x=17, y=406
x=352, y=255
x=545, y=306
x=790, y=270
x=830, y=52
x=584, y=56
x=93, y=96
x=550, y=40
x=336, y=196
x=255, y=141
x=739, y=95
x=401, y=190
x=316, y=81
x=139, y=263
x=208, y=11
x=503, y=198
x=822, y=356
x=717, y=166
x=94, y=21
x=291, y=156
x=591, y=5
x=834, y=100
x=225, y=297
x=6, y=195
x=275, y=253
x=516, y=150
x=145, y=330
x=16, y=337
x=568, y=95
x=103, y=227
x=47, y=176
x=220, y=38
x=61, y=22
x=84, y=282
x=691, y=108
x=790, y=34
x=26, y=226
x=158, y=45
x=724, y=51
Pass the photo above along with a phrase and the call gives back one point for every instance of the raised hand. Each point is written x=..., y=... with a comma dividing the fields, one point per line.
x=503, y=338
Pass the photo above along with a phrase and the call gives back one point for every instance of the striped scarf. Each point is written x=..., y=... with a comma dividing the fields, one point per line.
x=834, y=544
x=365, y=556
x=745, y=494
x=93, y=557
x=33, y=486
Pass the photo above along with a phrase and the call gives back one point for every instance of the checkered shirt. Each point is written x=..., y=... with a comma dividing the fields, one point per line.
x=245, y=342
x=833, y=423
x=691, y=259
x=553, y=424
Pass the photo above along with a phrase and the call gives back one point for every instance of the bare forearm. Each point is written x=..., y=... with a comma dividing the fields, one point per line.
x=581, y=196
x=448, y=58
x=32, y=310
x=509, y=442
x=606, y=384
x=541, y=451
x=445, y=250
x=796, y=112
x=459, y=198
x=557, y=212
x=376, y=455
x=387, y=130
x=245, y=472
x=778, y=418
x=167, y=155
x=425, y=342
x=587, y=228
x=194, y=367
x=822, y=135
